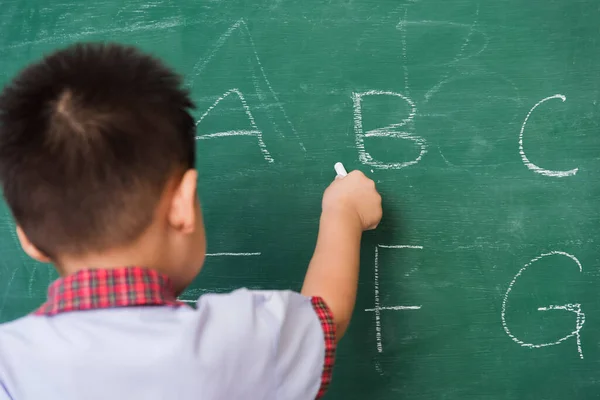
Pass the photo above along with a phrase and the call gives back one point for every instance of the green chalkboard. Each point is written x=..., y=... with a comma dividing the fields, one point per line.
x=478, y=120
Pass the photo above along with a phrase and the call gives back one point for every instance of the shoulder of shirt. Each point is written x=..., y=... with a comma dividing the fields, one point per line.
x=8, y=328
x=17, y=332
x=247, y=293
x=237, y=300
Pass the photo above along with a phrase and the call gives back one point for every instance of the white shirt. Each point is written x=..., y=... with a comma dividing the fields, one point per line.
x=241, y=345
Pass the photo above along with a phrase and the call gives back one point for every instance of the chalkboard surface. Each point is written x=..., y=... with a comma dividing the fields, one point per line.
x=478, y=120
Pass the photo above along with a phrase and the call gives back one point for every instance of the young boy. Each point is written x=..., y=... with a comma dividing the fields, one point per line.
x=97, y=165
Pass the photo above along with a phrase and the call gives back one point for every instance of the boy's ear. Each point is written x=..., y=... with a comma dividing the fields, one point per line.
x=30, y=249
x=182, y=211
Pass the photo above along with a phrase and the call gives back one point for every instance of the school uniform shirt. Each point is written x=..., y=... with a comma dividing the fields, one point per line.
x=122, y=334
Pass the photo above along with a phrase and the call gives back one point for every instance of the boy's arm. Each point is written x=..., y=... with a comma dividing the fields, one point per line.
x=333, y=271
x=351, y=205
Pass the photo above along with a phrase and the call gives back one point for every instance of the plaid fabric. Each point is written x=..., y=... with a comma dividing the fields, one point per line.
x=326, y=317
x=103, y=288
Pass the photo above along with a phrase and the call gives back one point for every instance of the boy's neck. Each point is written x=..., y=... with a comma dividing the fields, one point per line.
x=140, y=254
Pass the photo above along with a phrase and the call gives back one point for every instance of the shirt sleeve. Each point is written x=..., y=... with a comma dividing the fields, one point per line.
x=328, y=327
x=276, y=342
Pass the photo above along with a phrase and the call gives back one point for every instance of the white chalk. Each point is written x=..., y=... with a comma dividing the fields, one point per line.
x=529, y=164
x=377, y=309
x=574, y=308
x=390, y=131
x=340, y=170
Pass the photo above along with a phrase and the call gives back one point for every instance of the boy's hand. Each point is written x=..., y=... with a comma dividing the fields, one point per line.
x=351, y=205
x=354, y=196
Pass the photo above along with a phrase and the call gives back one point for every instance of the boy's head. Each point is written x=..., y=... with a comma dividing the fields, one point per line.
x=97, y=156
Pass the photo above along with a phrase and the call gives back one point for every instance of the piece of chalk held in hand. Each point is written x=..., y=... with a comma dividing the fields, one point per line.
x=340, y=170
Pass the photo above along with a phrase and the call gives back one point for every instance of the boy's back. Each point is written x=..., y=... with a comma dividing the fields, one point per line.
x=226, y=349
x=97, y=164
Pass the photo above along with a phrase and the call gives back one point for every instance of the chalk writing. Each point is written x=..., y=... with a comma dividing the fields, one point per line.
x=574, y=308
x=232, y=254
x=396, y=308
x=241, y=27
x=153, y=27
x=377, y=309
x=7, y=289
x=579, y=321
x=390, y=131
x=198, y=292
x=250, y=132
x=529, y=164
x=472, y=30
x=402, y=27
x=401, y=246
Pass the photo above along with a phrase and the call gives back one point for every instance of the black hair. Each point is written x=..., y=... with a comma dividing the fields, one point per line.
x=89, y=137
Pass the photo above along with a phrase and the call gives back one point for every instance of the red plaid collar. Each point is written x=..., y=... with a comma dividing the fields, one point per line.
x=105, y=288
